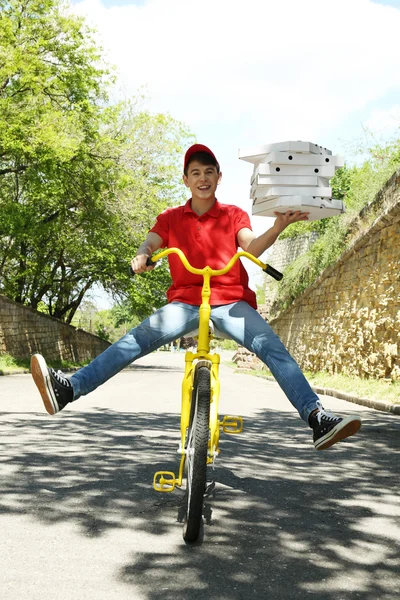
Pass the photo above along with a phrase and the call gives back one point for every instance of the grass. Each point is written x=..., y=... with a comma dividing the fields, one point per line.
x=10, y=364
x=374, y=389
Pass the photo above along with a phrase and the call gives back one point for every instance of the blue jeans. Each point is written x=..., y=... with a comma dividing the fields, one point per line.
x=238, y=320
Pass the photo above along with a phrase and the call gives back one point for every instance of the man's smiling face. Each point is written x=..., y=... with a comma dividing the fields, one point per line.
x=202, y=180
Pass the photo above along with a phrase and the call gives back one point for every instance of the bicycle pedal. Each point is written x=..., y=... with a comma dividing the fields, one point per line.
x=164, y=481
x=232, y=424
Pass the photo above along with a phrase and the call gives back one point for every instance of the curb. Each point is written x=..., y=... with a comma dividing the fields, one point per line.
x=368, y=402
x=28, y=372
x=21, y=372
x=376, y=404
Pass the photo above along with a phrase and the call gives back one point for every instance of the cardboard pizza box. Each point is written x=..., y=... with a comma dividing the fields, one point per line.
x=290, y=169
x=293, y=158
x=317, y=207
x=293, y=175
x=289, y=180
x=275, y=191
x=255, y=153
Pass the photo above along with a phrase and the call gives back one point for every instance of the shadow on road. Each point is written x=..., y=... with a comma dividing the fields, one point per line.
x=285, y=522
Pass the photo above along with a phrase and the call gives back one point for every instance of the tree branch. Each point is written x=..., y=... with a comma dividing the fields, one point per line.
x=4, y=84
x=13, y=169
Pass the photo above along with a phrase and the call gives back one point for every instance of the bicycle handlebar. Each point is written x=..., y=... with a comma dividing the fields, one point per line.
x=266, y=268
x=273, y=272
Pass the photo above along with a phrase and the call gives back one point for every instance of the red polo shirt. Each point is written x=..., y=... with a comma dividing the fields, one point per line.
x=210, y=239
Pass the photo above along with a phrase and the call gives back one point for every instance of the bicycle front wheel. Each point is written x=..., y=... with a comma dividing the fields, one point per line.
x=196, y=454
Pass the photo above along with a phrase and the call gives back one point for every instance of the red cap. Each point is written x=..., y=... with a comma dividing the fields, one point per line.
x=197, y=148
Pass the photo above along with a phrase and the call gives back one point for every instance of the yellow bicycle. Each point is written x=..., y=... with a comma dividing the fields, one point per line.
x=200, y=423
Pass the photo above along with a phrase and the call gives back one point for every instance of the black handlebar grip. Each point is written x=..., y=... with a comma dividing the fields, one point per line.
x=273, y=272
x=149, y=263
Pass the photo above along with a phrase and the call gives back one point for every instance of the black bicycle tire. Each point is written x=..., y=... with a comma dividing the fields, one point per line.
x=197, y=474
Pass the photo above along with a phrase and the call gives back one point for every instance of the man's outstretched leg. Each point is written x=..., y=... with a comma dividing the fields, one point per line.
x=162, y=327
x=246, y=326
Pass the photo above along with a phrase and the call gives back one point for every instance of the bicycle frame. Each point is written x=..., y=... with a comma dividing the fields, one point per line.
x=165, y=481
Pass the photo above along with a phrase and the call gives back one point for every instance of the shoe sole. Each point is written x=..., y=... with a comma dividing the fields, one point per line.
x=41, y=377
x=349, y=426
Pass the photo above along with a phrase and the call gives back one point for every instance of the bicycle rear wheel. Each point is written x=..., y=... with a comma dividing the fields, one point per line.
x=196, y=454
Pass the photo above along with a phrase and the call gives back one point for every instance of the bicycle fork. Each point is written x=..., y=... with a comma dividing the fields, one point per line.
x=165, y=481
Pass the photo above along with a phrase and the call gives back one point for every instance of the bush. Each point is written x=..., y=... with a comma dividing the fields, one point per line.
x=223, y=345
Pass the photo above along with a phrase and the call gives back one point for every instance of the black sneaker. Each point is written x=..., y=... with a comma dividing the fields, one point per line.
x=55, y=389
x=329, y=429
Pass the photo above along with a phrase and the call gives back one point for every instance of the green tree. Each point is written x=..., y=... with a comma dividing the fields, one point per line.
x=147, y=291
x=83, y=224
x=80, y=181
x=51, y=83
x=51, y=90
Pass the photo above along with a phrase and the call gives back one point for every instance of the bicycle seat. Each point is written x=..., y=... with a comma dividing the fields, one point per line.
x=216, y=333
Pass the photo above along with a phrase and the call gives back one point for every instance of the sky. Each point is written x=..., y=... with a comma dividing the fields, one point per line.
x=242, y=74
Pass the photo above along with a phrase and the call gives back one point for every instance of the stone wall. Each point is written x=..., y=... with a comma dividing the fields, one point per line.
x=24, y=331
x=283, y=252
x=348, y=321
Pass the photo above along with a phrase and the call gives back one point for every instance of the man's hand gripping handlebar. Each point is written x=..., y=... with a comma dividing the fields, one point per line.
x=140, y=265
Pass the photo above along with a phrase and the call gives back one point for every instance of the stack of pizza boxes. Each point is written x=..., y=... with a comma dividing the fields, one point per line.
x=293, y=176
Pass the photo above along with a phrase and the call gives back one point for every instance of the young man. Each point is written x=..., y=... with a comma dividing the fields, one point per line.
x=208, y=233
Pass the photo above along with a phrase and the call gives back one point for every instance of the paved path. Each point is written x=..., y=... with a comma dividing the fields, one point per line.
x=79, y=518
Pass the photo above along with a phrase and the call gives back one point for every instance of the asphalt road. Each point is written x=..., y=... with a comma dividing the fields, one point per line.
x=79, y=518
